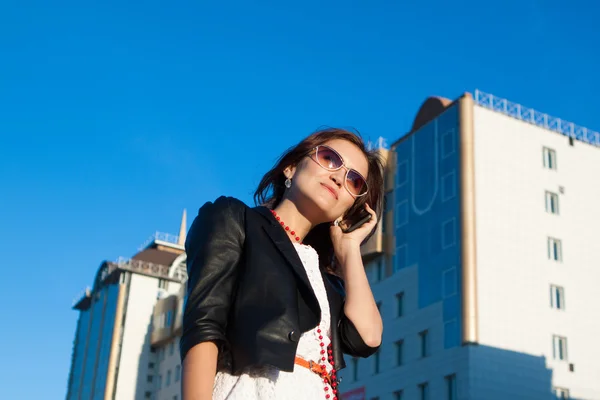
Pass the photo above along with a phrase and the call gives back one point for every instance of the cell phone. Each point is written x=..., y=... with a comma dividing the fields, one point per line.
x=364, y=218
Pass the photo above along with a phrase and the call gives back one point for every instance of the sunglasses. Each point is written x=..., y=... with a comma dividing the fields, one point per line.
x=331, y=160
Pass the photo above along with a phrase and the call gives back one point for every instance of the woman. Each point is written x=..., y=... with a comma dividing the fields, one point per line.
x=277, y=293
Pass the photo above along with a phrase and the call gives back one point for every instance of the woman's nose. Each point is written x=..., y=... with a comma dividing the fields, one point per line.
x=338, y=177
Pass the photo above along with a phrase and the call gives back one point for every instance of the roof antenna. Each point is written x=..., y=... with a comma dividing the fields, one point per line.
x=182, y=229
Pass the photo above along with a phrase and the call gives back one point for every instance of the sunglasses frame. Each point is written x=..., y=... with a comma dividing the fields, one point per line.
x=315, y=150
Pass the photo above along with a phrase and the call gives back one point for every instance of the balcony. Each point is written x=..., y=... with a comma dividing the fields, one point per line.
x=374, y=246
x=165, y=320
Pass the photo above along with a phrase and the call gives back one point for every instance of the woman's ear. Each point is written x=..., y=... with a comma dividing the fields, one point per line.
x=289, y=171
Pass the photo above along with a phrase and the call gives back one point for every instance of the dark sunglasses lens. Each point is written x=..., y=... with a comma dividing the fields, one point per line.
x=356, y=183
x=328, y=158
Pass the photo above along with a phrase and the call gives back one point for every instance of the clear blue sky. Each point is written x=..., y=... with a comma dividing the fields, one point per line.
x=116, y=116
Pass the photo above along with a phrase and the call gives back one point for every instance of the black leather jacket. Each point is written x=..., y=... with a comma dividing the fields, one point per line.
x=249, y=293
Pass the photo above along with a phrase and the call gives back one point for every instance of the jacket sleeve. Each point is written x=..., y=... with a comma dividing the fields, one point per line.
x=214, y=247
x=351, y=341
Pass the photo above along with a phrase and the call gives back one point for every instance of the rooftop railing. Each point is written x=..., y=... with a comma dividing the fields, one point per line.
x=537, y=118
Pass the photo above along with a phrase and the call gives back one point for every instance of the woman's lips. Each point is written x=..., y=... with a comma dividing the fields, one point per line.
x=333, y=192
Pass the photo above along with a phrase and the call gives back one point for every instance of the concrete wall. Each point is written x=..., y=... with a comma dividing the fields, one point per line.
x=132, y=379
x=514, y=272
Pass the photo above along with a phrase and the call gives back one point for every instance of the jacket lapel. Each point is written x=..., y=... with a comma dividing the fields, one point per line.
x=285, y=246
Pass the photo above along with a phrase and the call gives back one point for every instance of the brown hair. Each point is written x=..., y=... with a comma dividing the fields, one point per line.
x=271, y=188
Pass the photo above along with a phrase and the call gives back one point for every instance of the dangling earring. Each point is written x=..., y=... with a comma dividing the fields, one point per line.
x=288, y=183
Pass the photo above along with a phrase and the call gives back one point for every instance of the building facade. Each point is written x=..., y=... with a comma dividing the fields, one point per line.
x=114, y=356
x=486, y=278
x=166, y=331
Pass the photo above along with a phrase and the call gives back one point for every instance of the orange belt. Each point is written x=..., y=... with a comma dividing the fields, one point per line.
x=314, y=367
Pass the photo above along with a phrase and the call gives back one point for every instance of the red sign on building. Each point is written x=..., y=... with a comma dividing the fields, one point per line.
x=354, y=394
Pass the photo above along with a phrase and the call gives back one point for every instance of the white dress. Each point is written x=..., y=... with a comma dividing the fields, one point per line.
x=270, y=383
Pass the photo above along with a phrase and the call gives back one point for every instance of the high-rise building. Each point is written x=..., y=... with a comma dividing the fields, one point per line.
x=486, y=266
x=483, y=269
x=115, y=355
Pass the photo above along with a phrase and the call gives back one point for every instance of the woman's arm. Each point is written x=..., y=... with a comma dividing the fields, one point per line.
x=199, y=370
x=360, y=306
x=214, y=247
x=360, y=324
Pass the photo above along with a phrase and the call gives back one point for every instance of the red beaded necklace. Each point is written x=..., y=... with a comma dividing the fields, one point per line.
x=287, y=228
x=329, y=351
x=333, y=376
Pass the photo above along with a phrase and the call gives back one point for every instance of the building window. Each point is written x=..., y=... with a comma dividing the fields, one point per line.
x=177, y=373
x=449, y=186
x=402, y=173
x=171, y=348
x=163, y=284
x=552, y=203
x=375, y=270
x=448, y=145
x=559, y=348
x=169, y=320
x=376, y=360
x=397, y=395
x=160, y=382
x=158, y=323
x=554, y=249
x=449, y=282
x=148, y=395
x=557, y=297
x=449, y=233
x=168, y=378
x=399, y=304
x=424, y=338
x=399, y=352
x=151, y=365
x=561, y=393
x=549, y=158
x=354, y=369
x=401, y=257
x=401, y=214
x=424, y=391
x=451, y=387
x=175, y=397
x=149, y=378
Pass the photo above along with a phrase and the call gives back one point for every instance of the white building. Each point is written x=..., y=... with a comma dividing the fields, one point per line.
x=166, y=331
x=114, y=354
x=487, y=267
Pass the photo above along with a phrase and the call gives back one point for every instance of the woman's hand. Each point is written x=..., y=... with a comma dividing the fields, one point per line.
x=346, y=243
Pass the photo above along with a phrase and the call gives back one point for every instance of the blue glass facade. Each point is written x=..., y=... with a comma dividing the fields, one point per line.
x=111, y=293
x=93, y=344
x=427, y=216
x=78, y=354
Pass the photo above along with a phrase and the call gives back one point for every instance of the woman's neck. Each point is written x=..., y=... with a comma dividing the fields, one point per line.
x=289, y=214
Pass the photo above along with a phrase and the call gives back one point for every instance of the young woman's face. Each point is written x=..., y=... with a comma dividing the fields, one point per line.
x=325, y=189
